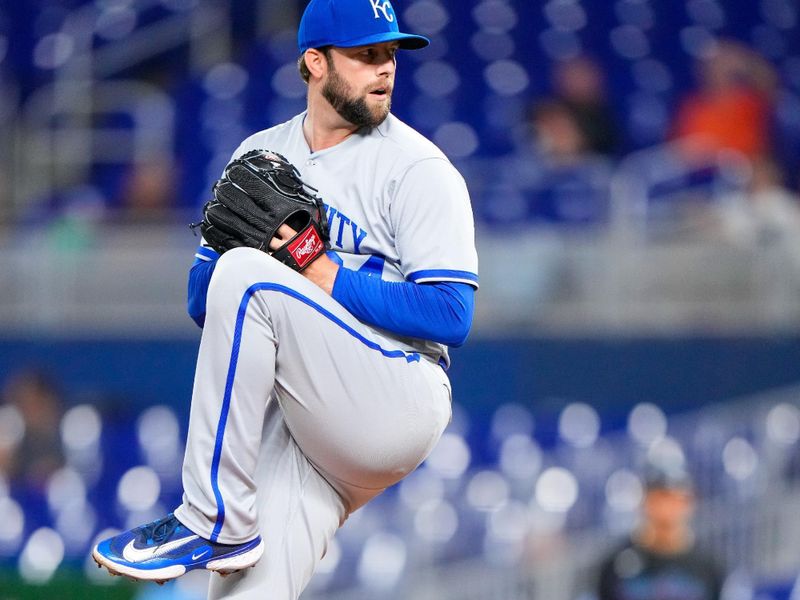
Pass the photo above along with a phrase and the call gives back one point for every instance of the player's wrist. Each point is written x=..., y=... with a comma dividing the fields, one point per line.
x=322, y=272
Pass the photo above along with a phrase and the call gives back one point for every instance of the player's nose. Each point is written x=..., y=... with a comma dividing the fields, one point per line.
x=387, y=66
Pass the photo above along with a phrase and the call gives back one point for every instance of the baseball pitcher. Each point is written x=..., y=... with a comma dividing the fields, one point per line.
x=337, y=265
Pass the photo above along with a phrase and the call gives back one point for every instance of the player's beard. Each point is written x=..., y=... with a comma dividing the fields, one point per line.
x=354, y=109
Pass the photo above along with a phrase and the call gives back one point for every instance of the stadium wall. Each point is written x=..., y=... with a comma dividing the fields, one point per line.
x=611, y=373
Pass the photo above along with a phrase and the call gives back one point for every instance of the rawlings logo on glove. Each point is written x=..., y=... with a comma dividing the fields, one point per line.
x=258, y=193
x=306, y=247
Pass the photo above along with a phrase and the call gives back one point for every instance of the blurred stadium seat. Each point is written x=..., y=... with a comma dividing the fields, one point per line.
x=475, y=105
x=499, y=509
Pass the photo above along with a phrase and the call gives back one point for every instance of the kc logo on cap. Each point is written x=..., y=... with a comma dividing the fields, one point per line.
x=349, y=23
x=385, y=7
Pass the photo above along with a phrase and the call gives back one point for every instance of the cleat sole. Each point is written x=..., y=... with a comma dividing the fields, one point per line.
x=223, y=566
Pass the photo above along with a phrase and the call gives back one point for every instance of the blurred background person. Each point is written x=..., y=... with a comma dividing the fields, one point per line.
x=579, y=83
x=660, y=561
x=731, y=107
x=148, y=192
x=554, y=177
x=34, y=451
x=559, y=135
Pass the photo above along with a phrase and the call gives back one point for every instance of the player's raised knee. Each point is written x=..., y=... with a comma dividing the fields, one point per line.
x=236, y=257
x=237, y=270
x=249, y=264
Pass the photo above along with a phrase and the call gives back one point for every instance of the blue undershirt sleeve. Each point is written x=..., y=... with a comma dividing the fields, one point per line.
x=441, y=312
x=199, y=278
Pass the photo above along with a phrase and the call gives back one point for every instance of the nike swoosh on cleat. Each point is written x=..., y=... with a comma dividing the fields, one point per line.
x=132, y=554
x=203, y=553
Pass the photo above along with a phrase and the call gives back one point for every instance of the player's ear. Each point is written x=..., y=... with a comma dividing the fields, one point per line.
x=316, y=62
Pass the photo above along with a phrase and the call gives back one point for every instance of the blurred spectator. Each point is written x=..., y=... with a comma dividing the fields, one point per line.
x=562, y=178
x=149, y=191
x=553, y=177
x=660, y=561
x=558, y=133
x=579, y=84
x=731, y=109
x=38, y=452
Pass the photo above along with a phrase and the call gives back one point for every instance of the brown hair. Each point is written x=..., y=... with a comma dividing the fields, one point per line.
x=303, y=68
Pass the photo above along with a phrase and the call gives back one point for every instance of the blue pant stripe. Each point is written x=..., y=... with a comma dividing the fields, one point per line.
x=237, y=340
x=223, y=417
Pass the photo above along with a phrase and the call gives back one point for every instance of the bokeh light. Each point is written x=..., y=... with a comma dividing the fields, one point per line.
x=511, y=419
x=80, y=428
x=783, y=424
x=579, y=425
x=451, y=457
x=226, y=80
x=138, y=489
x=495, y=16
x=566, y=15
x=624, y=491
x=556, y=490
x=116, y=22
x=41, y=556
x=76, y=523
x=53, y=50
x=420, y=487
x=436, y=78
x=739, y=458
x=487, y=491
x=426, y=17
x=520, y=457
x=456, y=139
x=159, y=436
x=629, y=42
x=506, y=77
x=708, y=13
x=12, y=427
x=12, y=525
x=287, y=83
x=436, y=521
x=382, y=561
x=647, y=423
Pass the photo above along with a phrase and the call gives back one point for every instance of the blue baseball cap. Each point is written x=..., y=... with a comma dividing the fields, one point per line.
x=348, y=23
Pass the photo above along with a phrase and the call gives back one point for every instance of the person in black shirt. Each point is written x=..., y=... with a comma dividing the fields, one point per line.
x=579, y=84
x=660, y=561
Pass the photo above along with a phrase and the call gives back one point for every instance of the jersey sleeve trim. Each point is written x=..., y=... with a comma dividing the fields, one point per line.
x=430, y=275
x=204, y=253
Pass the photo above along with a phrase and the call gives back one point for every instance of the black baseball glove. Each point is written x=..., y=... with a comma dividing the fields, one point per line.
x=259, y=192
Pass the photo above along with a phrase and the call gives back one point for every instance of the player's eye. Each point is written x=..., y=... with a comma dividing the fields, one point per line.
x=373, y=55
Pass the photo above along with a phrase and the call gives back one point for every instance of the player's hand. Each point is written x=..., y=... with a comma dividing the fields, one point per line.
x=322, y=271
x=283, y=235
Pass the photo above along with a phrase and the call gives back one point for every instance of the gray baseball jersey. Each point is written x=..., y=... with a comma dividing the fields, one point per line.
x=350, y=409
x=396, y=206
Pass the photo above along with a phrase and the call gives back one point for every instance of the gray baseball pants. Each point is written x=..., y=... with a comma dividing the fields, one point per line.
x=300, y=415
